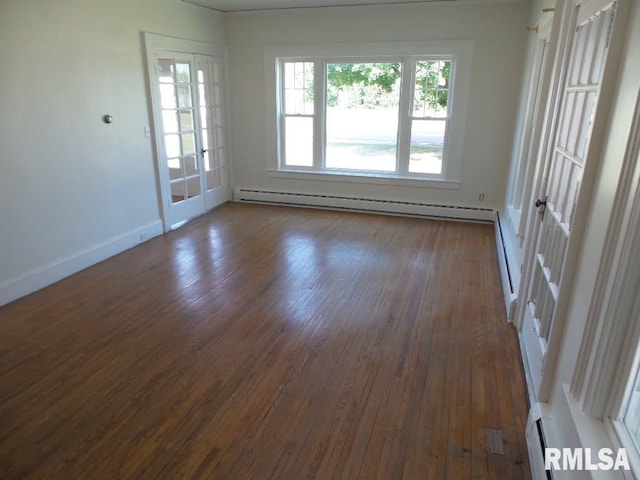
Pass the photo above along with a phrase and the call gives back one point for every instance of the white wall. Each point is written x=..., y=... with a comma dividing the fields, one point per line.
x=71, y=185
x=499, y=34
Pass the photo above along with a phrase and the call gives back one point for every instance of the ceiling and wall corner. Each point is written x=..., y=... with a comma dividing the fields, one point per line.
x=257, y=5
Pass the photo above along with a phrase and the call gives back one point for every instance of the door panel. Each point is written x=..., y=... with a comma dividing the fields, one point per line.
x=564, y=179
x=179, y=139
x=213, y=133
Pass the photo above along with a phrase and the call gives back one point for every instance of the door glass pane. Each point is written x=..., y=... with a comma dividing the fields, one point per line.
x=205, y=139
x=183, y=74
x=204, y=94
x=175, y=168
x=184, y=96
x=219, y=136
x=191, y=165
x=172, y=145
x=203, y=117
x=178, y=191
x=168, y=95
x=166, y=71
x=362, y=115
x=193, y=187
x=299, y=141
x=427, y=146
x=186, y=120
x=188, y=143
x=170, y=121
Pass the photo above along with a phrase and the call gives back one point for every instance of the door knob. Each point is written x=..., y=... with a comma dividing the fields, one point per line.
x=540, y=203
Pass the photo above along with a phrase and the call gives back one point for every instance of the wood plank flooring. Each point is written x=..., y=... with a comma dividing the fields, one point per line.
x=262, y=342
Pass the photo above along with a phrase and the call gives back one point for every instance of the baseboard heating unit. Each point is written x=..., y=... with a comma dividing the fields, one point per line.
x=358, y=204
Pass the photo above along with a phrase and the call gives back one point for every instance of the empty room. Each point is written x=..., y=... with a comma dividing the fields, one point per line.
x=324, y=239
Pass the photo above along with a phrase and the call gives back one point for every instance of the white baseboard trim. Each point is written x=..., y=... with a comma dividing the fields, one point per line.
x=508, y=287
x=358, y=204
x=38, y=278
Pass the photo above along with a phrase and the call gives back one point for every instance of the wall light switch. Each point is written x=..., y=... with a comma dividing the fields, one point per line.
x=147, y=132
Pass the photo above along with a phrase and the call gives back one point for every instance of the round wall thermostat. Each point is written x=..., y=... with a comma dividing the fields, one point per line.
x=107, y=119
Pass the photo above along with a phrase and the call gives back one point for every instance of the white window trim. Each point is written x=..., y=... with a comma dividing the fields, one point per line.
x=460, y=51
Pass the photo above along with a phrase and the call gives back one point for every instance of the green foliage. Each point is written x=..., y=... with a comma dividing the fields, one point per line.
x=432, y=84
x=383, y=75
x=376, y=84
x=362, y=84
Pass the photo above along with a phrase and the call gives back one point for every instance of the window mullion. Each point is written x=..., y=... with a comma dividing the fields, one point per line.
x=282, y=134
x=319, y=107
x=404, y=116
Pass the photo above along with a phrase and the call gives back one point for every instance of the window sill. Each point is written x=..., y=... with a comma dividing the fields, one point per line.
x=366, y=177
x=595, y=434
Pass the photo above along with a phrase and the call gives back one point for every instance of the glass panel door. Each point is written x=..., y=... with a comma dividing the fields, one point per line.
x=213, y=128
x=180, y=138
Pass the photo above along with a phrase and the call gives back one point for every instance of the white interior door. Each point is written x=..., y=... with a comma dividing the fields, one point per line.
x=532, y=124
x=179, y=137
x=563, y=179
x=190, y=125
x=213, y=129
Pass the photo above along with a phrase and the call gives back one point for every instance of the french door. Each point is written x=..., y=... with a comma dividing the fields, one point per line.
x=562, y=180
x=191, y=136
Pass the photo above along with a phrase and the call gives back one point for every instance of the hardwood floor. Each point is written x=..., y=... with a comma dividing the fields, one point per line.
x=266, y=342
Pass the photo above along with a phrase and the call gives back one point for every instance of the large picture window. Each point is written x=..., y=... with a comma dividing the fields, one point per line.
x=368, y=115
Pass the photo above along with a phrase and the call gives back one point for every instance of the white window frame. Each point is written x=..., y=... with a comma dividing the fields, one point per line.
x=459, y=52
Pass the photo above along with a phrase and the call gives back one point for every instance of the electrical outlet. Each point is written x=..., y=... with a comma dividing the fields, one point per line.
x=481, y=197
x=144, y=236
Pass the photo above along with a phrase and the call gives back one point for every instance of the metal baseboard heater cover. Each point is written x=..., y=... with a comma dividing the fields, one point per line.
x=337, y=202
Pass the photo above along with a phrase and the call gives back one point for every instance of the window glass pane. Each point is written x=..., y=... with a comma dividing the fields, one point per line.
x=362, y=115
x=298, y=88
x=299, y=141
x=431, y=90
x=427, y=146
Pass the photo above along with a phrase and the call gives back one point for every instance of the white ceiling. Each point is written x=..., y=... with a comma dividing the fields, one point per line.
x=246, y=5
